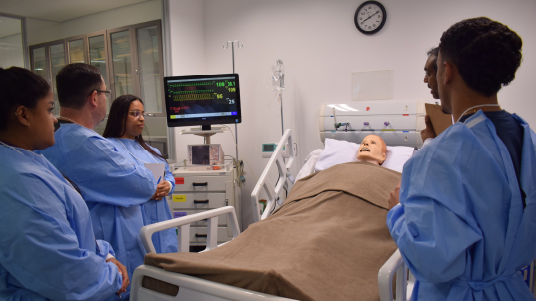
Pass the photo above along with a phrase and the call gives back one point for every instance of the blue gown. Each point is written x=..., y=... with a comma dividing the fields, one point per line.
x=47, y=246
x=460, y=225
x=112, y=187
x=153, y=211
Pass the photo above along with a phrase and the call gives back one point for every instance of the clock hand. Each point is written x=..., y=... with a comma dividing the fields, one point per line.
x=371, y=16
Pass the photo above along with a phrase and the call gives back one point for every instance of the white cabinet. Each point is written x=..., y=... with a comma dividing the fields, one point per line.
x=198, y=191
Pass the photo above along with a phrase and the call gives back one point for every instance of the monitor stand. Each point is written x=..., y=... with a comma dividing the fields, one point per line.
x=205, y=131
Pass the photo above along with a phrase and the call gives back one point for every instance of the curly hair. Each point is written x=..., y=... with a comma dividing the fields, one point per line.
x=434, y=51
x=20, y=87
x=486, y=53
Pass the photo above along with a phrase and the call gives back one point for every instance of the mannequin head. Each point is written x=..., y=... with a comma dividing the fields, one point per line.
x=372, y=149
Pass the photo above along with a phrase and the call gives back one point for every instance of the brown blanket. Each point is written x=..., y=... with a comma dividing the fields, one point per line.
x=327, y=242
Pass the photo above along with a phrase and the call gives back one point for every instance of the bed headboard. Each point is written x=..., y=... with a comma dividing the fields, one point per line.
x=399, y=123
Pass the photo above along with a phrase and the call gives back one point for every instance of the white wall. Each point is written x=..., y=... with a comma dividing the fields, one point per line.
x=187, y=32
x=321, y=48
x=40, y=31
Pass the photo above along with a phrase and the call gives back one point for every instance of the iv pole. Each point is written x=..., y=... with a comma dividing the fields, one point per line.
x=232, y=51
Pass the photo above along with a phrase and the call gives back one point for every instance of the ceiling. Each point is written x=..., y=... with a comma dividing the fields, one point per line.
x=60, y=10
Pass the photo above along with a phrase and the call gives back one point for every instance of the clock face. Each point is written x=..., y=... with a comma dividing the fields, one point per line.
x=370, y=17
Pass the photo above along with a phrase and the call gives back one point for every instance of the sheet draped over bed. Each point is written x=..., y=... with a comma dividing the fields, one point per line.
x=327, y=242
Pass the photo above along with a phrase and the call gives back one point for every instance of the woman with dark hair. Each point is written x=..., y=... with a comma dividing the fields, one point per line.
x=48, y=249
x=124, y=130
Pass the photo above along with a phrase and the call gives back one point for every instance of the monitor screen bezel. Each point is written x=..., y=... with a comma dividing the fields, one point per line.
x=212, y=120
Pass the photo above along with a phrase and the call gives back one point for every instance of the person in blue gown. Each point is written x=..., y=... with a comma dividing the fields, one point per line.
x=47, y=247
x=112, y=187
x=466, y=222
x=124, y=128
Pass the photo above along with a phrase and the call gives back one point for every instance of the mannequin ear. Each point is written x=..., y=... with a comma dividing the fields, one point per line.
x=21, y=114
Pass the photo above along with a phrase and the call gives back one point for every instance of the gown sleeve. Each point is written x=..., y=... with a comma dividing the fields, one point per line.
x=170, y=178
x=104, y=248
x=40, y=250
x=106, y=176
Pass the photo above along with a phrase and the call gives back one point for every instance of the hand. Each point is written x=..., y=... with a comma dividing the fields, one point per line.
x=162, y=190
x=428, y=132
x=394, y=197
x=123, y=271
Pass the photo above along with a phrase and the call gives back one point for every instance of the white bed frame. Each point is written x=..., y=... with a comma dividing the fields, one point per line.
x=193, y=288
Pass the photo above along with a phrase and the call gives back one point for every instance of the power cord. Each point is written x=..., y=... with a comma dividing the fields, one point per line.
x=240, y=173
x=240, y=164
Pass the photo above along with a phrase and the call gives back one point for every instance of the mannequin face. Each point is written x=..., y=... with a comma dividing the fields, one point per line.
x=372, y=150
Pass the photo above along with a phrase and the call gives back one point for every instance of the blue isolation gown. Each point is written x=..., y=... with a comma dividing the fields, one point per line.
x=460, y=225
x=153, y=211
x=47, y=247
x=112, y=187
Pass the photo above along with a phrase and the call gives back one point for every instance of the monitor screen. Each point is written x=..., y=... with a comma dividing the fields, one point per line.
x=202, y=100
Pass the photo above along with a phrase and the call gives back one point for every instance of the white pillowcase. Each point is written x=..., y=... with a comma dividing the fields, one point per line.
x=338, y=151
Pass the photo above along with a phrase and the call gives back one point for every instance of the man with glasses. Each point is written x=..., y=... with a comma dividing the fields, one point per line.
x=112, y=187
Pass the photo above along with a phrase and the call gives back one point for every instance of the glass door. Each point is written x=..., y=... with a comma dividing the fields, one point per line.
x=121, y=62
x=76, y=50
x=149, y=66
x=39, y=62
x=57, y=61
x=12, y=41
x=97, y=58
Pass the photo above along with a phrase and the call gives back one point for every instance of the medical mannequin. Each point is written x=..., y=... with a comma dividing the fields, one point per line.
x=124, y=128
x=48, y=249
x=372, y=150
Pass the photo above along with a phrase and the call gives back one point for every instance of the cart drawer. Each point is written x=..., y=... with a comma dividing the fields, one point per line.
x=201, y=183
x=197, y=200
x=222, y=219
x=198, y=235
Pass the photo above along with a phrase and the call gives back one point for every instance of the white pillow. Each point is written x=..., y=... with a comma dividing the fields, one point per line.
x=338, y=151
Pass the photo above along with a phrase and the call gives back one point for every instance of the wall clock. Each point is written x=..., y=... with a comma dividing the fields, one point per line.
x=370, y=17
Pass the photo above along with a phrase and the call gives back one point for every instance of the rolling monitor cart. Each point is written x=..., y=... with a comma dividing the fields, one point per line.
x=204, y=100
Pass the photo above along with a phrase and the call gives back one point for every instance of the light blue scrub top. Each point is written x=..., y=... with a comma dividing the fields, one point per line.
x=153, y=211
x=112, y=187
x=47, y=246
x=460, y=225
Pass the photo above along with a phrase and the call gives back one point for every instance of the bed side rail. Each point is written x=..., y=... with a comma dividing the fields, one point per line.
x=183, y=223
x=191, y=288
x=404, y=285
x=285, y=180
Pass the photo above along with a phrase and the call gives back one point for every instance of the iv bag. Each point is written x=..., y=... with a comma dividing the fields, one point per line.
x=278, y=75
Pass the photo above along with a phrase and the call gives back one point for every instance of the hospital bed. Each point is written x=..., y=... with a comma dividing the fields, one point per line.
x=193, y=288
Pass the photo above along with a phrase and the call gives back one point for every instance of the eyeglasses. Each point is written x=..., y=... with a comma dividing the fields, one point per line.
x=137, y=114
x=107, y=93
